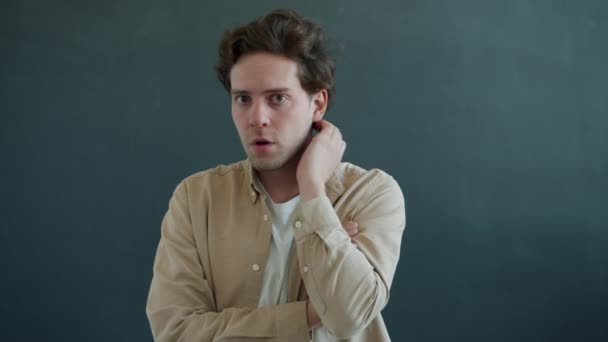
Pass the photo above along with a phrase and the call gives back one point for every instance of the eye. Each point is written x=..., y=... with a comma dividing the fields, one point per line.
x=279, y=98
x=242, y=99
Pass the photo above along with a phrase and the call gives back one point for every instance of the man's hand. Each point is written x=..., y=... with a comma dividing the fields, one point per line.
x=351, y=228
x=320, y=160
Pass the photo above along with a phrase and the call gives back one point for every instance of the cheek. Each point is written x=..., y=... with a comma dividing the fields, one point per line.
x=235, y=119
x=234, y=110
x=238, y=122
x=238, y=116
x=298, y=126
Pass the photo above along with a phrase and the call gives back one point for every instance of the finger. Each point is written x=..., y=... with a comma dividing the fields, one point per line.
x=339, y=149
x=322, y=124
x=352, y=231
x=335, y=135
x=338, y=134
x=330, y=131
x=350, y=225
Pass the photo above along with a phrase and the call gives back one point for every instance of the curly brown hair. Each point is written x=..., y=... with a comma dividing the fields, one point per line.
x=282, y=32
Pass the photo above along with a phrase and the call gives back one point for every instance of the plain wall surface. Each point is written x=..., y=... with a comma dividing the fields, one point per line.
x=492, y=116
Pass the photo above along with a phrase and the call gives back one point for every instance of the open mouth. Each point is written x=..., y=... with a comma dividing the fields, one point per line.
x=261, y=142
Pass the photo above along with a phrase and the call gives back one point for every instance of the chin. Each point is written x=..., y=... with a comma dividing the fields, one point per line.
x=273, y=162
x=266, y=164
x=270, y=163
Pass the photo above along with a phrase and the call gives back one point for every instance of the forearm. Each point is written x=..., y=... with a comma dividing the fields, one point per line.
x=182, y=306
x=285, y=322
x=348, y=281
x=342, y=285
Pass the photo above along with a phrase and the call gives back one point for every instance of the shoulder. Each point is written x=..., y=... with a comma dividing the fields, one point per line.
x=218, y=177
x=370, y=193
x=351, y=175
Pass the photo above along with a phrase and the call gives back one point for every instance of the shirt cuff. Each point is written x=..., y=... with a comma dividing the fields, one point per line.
x=313, y=216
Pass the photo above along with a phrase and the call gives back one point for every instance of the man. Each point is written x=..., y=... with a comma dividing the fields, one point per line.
x=257, y=250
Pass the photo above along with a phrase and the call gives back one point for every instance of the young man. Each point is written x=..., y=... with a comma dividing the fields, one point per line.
x=266, y=249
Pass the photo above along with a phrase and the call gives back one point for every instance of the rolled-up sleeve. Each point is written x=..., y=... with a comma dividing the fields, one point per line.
x=348, y=280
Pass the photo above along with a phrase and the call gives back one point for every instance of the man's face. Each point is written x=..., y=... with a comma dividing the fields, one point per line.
x=272, y=112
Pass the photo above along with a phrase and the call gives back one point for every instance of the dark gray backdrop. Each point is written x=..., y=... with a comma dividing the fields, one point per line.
x=492, y=115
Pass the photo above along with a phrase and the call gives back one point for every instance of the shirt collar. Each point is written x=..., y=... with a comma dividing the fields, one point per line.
x=333, y=188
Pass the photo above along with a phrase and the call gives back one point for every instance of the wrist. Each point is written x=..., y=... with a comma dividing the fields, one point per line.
x=309, y=191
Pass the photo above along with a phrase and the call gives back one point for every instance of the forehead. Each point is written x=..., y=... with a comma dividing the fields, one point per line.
x=259, y=71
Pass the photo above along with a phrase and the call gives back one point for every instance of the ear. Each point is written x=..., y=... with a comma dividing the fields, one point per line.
x=319, y=103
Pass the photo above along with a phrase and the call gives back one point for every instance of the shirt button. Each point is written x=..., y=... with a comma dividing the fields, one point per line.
x=253, y=194
x=298, y=224
x=305, y=269
x=265, y=217
x=256, y=267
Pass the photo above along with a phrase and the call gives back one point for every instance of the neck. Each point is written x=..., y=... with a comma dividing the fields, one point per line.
x=281, y=184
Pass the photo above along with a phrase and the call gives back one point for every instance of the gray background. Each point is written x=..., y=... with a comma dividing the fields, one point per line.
x=492, y=115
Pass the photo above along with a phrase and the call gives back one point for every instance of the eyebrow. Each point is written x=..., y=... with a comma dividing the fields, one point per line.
x=273, y=90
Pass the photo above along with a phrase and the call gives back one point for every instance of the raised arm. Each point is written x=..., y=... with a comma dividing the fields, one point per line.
x=348, y=282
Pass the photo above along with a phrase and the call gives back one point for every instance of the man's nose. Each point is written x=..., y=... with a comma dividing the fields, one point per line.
x=259, y=115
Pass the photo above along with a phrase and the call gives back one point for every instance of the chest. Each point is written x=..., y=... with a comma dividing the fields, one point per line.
x=233, y=239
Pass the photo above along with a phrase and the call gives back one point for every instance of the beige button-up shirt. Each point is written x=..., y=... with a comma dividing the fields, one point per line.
x=214, y=243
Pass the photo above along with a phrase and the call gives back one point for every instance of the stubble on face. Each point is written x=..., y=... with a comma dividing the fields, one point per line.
x=283, y=157
x=287, y=126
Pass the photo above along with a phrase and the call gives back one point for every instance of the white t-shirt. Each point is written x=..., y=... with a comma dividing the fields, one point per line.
x=274, y=281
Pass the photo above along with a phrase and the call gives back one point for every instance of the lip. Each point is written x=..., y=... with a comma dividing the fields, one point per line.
x=258, y=139
x=261, y=147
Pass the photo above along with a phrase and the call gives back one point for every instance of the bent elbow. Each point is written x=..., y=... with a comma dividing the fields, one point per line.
x=167, y=325
x=349, y=319
x=346, y=326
